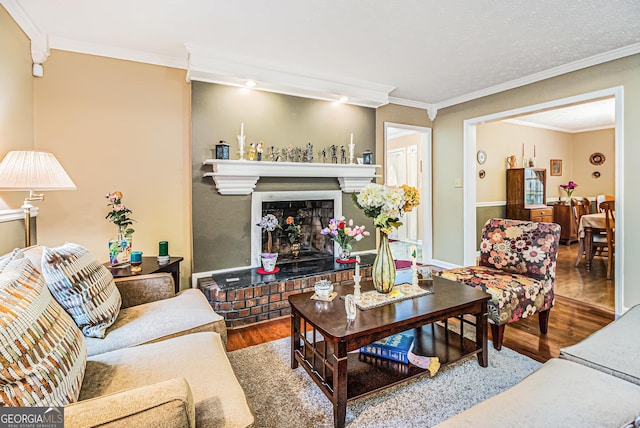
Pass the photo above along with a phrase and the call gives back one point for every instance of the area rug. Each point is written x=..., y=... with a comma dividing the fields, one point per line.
x=281, y=397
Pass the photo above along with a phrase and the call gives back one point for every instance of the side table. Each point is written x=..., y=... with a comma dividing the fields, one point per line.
x=150, y=265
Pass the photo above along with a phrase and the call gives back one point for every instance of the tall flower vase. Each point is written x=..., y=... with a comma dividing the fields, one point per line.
x=119, y=250
x=383, y=270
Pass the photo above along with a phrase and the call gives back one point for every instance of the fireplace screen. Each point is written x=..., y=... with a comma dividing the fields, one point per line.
x=312, y=216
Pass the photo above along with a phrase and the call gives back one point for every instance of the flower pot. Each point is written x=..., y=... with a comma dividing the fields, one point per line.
x=383, y=270
x=269, y=261
x=119, y=251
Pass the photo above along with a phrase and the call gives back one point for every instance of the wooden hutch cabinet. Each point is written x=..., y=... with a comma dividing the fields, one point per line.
x=527, y=195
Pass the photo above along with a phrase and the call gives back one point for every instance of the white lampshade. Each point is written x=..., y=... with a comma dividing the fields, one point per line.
x=33, y=170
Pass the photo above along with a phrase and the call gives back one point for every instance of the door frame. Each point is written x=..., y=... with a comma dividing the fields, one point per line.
x=469, y=154
x=426, y=196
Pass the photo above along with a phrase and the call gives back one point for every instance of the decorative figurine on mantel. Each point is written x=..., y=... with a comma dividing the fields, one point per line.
x=343, y=155
x=308, y=157
x=273, y=154
x=252, y=151
x=260, y=149
x=324, y=155
x=334, y=153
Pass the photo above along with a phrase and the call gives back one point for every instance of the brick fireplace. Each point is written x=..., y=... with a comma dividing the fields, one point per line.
x=244, y=297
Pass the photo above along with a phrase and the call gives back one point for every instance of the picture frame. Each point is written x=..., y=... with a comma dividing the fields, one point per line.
x=555, y=167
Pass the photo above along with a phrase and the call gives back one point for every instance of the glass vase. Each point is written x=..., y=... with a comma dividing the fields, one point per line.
x=119, y=250
x=345, y=252
x=383, y=270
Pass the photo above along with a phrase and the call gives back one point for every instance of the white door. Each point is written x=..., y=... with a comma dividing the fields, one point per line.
x=396, y=174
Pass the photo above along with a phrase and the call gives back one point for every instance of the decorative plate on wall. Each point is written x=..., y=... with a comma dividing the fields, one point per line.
x=481, y=156
x=596, y=174
x=596, y=158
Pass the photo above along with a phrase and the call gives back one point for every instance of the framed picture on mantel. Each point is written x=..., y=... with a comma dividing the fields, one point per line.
x=556, y=167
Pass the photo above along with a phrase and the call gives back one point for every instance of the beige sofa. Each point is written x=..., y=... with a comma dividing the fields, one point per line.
x=162, y=363
x=595, y=383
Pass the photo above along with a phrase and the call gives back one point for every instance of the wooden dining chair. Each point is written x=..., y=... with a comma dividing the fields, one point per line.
x=608, y=207
x=602, y=198
x=598, y=240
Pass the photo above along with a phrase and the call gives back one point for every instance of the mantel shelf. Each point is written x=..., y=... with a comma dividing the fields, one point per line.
x=239, y=177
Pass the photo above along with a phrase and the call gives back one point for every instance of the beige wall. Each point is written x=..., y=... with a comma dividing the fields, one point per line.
x=16, y=99
x=116, y=125
x=448, y=153
x=584, y=144
x=501, y=139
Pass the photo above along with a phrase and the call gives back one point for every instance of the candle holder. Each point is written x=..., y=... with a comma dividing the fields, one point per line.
x=356, y=286
x=135, y=258
x=352, y=146
x=241, y=146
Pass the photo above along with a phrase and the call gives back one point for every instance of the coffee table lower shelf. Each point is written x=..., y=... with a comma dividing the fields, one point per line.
x=368, y=374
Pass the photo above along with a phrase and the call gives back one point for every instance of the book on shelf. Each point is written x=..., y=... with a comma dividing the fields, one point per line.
x=395, y=347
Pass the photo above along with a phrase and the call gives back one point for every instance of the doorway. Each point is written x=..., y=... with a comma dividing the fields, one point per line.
x=407, y=151
x=470, y=173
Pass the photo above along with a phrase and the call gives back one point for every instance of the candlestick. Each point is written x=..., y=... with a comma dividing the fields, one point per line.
x=241, y=146
x=356, y=287
x=523, y=150
x=357, y=266
x=242, y=129
x=414, y=255
x=534, y=150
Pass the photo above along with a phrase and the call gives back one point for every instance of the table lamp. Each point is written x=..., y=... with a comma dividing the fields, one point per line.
x=28, y=170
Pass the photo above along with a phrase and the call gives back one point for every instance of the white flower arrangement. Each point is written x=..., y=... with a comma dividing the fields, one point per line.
x=386, y=204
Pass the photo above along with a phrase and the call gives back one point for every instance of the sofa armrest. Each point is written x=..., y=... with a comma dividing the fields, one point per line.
x=157, y=405
x=136, y=290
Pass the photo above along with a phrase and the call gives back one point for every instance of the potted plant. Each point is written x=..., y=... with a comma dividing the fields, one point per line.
x=268, y=224
x=293, y=234
x=119, y=247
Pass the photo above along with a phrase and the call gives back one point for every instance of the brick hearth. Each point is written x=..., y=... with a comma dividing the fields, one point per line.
x=251, y=298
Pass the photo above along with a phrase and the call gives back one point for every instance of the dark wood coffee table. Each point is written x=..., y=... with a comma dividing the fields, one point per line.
x=324, y=351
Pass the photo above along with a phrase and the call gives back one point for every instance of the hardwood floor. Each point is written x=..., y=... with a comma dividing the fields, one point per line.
x=584, y=304
x=575, y=282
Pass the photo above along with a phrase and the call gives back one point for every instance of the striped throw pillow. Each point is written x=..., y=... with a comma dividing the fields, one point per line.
x=82, y=286
x=43, y=352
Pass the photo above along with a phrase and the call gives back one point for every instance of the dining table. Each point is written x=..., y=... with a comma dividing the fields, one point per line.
x=589, y=226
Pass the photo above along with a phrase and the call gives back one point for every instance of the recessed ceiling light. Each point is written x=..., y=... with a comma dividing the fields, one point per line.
x=250, y=83
x=343, y=99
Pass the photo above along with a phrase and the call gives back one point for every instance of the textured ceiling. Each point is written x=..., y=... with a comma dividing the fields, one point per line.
x=576, y=118
x=430, y=51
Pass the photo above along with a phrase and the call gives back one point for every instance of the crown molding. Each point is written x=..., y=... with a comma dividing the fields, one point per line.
x=210, y=66
x=71, y=45
x=431, y=109
x=546, y=74
x=39, y=42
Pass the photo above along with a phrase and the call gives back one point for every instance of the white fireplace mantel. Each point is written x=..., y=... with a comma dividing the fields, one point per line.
x=239, y=177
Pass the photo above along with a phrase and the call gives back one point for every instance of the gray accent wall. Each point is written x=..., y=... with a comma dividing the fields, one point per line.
x=221, y=224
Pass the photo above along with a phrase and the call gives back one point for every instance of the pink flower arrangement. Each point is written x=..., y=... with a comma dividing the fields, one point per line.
x=569, y=187
x=344, y=232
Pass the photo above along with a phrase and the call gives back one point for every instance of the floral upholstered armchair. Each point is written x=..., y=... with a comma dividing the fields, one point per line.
x=518, y=268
